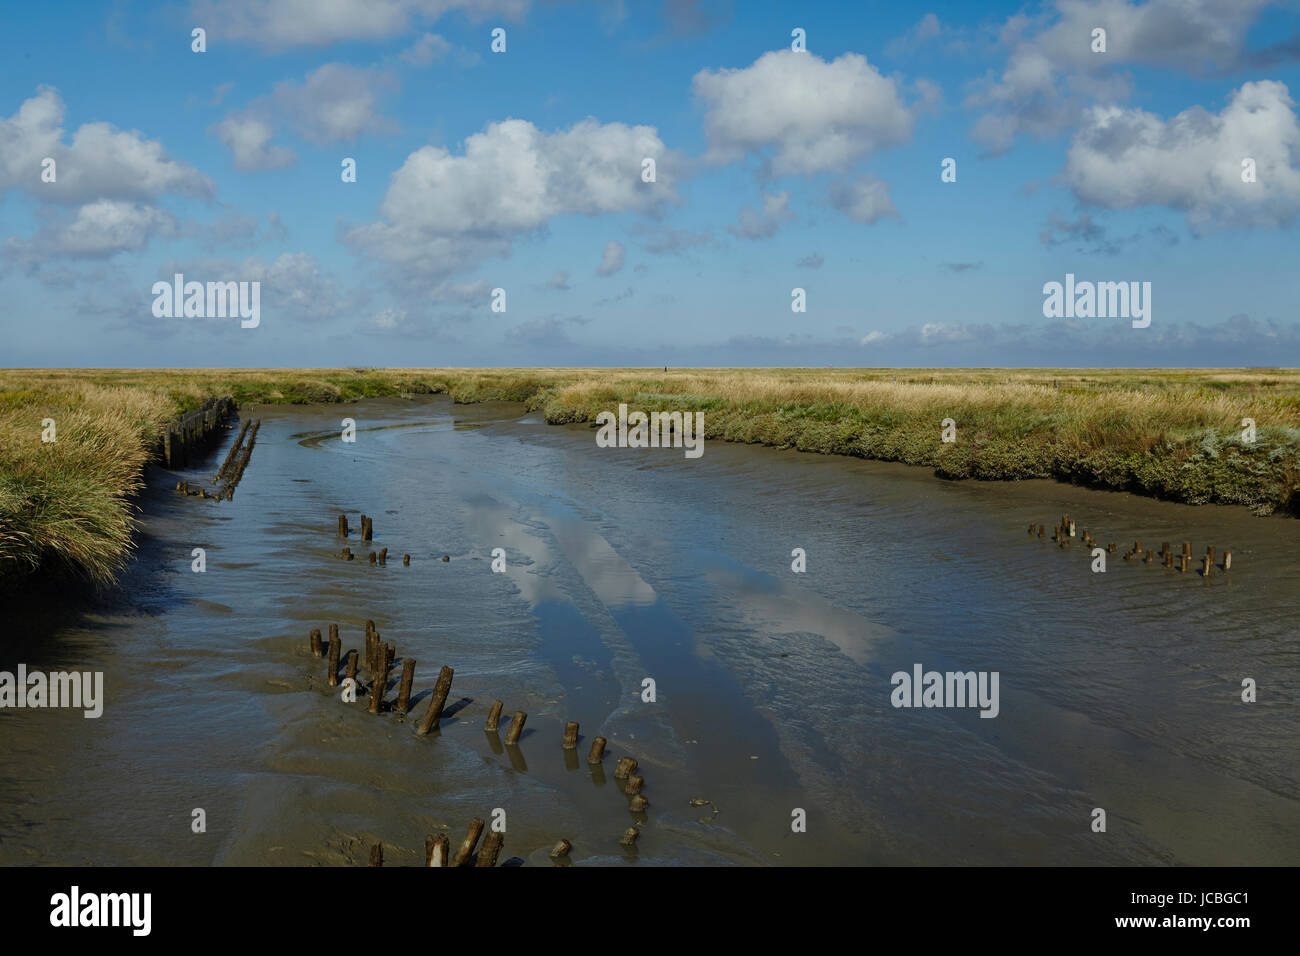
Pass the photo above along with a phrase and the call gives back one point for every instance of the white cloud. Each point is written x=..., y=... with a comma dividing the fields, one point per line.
x=865, y=199
x=286, y=23
x=759, y=225
x=100, y=161
x=95, y=230
x=1122, y=158
x=1052, y=74
x=445, y=212
x=813, y=115
x=425, y=50
x=336, y=103
x=248, y=138
x=612, y=259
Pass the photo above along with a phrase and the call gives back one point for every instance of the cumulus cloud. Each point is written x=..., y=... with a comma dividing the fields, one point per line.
x=95, y=230
x=811, y=116
x=425, y=50
x=759, y=225
x=98, y=162
x=1052, y=74
x=1122, y=158
x=277, y=24
x=445, y=212
x=612, y=259
x=248, y=138
x=865, y=199
x=334, y=103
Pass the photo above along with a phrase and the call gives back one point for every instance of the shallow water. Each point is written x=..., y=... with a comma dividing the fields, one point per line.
x=1118, y=690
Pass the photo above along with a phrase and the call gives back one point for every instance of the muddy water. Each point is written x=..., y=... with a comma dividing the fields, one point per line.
x=1118, y=690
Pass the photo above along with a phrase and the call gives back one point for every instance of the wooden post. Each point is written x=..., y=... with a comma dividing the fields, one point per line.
x=1187, y=548
x=404, y=693
x=316, y=648
x=561, y=849
x=377, y=855
x=1164, y=549
x=638, y=803
x=571, y=735
x=343, y=526
x=351, y=671
x=1041, y=530
x=383, y=556
x=437, y=850
x=1182, y=566
x=440, y=692
x=1210, y=552
x=467, y=846
x=1208, y=563
x=372, y=558
x=335, y=647
x=634, y=784
x=494, y=717
x=406, y=560
x=629, y=836
x=368, y=531
x=1169, y=559
x=597, y=752
x=487, y=855
x=516, y=728
x=626, y=766
x=1113, y=548
x=1227, y=560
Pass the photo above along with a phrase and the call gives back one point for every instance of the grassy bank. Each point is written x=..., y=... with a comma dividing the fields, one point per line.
x=1173, y=434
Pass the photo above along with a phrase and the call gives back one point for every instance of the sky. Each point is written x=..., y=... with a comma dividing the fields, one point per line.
x=503, y=211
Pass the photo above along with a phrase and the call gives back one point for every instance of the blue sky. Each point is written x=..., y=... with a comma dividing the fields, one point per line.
x=776, y=169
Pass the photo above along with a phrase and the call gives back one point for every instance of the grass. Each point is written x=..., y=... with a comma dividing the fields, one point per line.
x=1168, y=433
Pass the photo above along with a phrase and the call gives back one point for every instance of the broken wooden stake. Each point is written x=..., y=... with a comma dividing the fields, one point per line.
x=316, y=647
x=404, y=693
x=437, y=850
x=629, y=836
x=440, y=692
x=335, y=647
x=561, y=849
x=467, y=846
x=638, y=803
x=406, y=560
x=571, y=735
x=491, y=849
x=626, y=767
x=494, y=717
x=343, y=526
x=516, y=728
x=377, y=855
x=634, y=784
x=597, y=752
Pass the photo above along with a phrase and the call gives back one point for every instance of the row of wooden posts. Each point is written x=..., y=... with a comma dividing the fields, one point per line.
x=379, y=660
x=232, y=469
x=379, y=557
x=193, y=431
x=1067, y=530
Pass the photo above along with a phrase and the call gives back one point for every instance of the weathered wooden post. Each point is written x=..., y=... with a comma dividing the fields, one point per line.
x=629, y=836
x=406, y=560
x=404, y=693
x=377, y=855
x=597, y=752
x=316, y=647
x=343, y=526
x=626, y=767
x=350, y=672
x=571, y=735
x=638, y=803
x=1227, y=560
x=467, y=846
x=487, y=854
x=383, y=556
x=634, y=784
x=494, y=718
x=561, y=849
x=516, y=728
x=437, y=850
x=335, y=647
x=440, y=692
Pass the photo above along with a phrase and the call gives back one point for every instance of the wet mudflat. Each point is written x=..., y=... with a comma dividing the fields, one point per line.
x=1119, y=690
